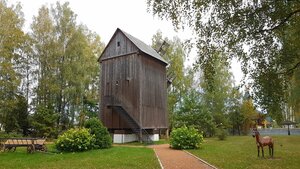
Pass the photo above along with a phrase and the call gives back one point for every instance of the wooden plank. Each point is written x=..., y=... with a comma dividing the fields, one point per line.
x=112, y=49
x=137, y=82
x=24, y=141
x=153, y=103
x=40, y=141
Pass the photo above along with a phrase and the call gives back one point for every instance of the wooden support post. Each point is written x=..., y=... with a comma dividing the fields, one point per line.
x=141, y=135
x=167, y=134
x=32, y=146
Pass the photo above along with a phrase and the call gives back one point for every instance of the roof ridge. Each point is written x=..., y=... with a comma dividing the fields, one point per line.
x=143, y=46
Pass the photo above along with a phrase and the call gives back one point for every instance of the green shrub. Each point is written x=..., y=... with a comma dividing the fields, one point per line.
x=185, y=138
x=75, y=140
x=93, y=123
x=10, y=135
x=102, y=136
x=221, y=134
x=43, y=122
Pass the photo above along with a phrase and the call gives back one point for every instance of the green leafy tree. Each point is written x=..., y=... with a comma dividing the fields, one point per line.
x=194, y=113
x=21, y=110
x=67, y=57
x=90, y=110
x=45, y=49
x=263, y=35
x=174, y=52
x=10, y=121
x=54, y=67
x=11, y=40
x=250, y=114
x=294, y=100
x=16, y=118
x=217, y=86
x=43, y=122
x=235, y=116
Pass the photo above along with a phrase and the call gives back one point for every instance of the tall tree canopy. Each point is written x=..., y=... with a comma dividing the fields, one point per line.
x=263, y=35
x=12, y=39
x=49, y=76
x=248, y=113
x=218, y=90
x=174, y=52
x=67, y=64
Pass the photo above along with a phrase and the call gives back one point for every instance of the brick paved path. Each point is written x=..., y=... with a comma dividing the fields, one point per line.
x=178, y=159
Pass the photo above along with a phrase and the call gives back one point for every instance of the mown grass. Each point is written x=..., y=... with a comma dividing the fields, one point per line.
x=136, y=143
x=241, y=152
x=115, y=157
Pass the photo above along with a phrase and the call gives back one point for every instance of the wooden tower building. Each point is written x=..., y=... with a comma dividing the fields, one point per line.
x=133, y=89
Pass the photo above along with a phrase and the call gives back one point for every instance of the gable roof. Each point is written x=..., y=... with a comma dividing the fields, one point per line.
x=141, y=46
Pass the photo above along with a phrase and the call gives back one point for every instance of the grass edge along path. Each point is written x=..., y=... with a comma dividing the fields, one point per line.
x=241, y=152
x=203, y=161
x=115, y=158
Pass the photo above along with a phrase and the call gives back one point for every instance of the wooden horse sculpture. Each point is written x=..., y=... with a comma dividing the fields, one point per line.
x=263, y=141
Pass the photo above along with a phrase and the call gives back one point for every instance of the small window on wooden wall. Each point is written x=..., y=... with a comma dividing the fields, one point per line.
x=118, y=43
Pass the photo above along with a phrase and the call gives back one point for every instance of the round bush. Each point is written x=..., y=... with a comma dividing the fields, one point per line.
x=75, y=140
x=101, y=134
x=221, y=134
x=185, y=138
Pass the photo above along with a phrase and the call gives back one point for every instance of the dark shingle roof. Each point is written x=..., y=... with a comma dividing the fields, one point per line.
x=143, y=47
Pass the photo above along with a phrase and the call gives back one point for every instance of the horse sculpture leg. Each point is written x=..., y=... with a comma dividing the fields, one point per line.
x=272, y=149
x=257, y=151
x=262, y=151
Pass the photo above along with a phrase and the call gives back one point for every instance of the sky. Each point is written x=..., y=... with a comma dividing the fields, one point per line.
x=105, y=16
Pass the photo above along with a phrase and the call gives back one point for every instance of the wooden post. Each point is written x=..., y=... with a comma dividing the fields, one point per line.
x=141, y=135
x=167, y=134
x=32, y=146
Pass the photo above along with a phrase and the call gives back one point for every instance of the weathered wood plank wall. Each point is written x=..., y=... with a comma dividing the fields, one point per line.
x=119, y=45
x=154, y=93
x=134, y=80
x=121, y=78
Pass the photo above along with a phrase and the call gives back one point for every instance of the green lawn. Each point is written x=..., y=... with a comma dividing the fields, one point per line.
x=241, y=152
x=116, y=157
x=136, y=143
x=235, y=152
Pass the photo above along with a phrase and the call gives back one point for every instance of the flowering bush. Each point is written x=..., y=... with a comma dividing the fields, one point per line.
x=185, y=138
x=75, y=140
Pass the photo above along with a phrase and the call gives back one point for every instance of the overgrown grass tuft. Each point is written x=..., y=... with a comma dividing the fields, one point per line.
x=241, y=152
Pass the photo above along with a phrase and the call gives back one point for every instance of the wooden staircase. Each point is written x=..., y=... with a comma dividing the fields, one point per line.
x=142, y=134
